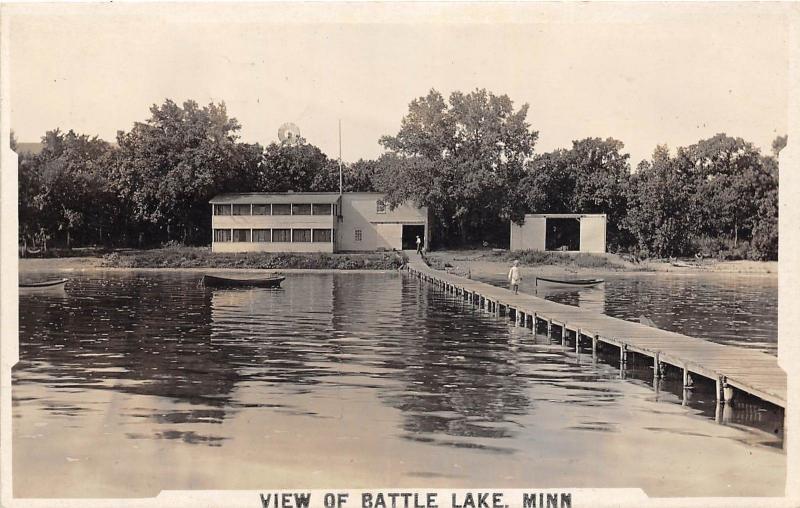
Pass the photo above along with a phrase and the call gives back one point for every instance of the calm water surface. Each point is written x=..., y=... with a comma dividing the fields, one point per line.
x=130, y=383
x=735, y=309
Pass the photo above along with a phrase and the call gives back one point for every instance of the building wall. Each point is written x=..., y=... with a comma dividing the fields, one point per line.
x=272, y=222
x=532, y=234
x=359, y=212
x=272, y=247
x=378, y=230
x=593, y=233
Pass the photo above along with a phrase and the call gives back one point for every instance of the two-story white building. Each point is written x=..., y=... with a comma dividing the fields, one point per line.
x=314, y=222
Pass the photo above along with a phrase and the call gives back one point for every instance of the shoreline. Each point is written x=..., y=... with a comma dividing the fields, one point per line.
x=479, y=266
x=93, y=264
x=483, y=262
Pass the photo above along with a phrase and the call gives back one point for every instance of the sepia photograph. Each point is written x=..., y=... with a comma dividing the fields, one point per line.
x=384, y=251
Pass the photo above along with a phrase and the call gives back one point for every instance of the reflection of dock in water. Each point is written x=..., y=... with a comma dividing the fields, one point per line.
x=729, y=368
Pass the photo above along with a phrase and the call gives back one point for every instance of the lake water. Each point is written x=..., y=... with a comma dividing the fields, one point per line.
x=130, y=383
x=735, y=309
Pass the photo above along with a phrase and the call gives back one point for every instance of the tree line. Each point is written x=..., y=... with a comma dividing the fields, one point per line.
x=469, y=158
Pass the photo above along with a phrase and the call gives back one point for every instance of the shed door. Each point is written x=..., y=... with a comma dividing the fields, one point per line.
x=593, y=234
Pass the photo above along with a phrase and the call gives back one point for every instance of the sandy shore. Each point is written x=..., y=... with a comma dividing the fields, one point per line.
x=481, y=262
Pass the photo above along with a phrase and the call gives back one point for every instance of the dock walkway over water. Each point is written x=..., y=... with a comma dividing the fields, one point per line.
x=730, y=367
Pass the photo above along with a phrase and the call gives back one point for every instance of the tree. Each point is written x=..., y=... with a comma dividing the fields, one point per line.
x=293, y=167
x=462, y=158
x=590, y=177
x=64, y=190
x=168, y=168
x=729, y=172
x=659, y=198
x=778, y=144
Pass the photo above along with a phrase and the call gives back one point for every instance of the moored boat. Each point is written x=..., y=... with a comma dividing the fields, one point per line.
x=43, y=284
x=570, y=282
x=226, y=282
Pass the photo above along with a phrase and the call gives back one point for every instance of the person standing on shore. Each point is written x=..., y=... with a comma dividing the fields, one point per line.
x=419, y=245
x=514, y=277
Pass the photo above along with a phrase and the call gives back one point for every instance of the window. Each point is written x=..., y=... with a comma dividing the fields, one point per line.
x=358, y=235
x=322, y=235
x=380, y=206
x=261, y=235
x=281, y=235
x=261, y=210
x=241, y=209
x=241, y=235
x=301, y=209
x=222, y=209
x=321, y=209
x=301, y=235
x=222, y=235
x=281, y=209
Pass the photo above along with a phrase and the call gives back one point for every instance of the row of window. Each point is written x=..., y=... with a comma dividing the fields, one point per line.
x=275, y=209
x=273, y=235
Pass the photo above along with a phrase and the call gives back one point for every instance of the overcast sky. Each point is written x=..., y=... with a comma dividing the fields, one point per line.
x=644, y=74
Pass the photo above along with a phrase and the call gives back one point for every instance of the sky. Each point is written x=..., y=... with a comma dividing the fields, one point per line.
x=645, y=74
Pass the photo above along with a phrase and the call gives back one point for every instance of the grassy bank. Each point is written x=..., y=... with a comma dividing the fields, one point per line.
x=198, y=257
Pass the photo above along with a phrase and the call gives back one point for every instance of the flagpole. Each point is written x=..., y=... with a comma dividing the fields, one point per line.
x=340, y=156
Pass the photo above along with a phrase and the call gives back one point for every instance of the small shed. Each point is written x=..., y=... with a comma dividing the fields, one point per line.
x=566, y=232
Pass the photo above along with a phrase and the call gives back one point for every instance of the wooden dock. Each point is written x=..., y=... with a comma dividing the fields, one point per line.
x=731, y=368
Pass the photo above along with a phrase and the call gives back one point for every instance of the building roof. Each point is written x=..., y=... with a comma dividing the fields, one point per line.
x=281, y=197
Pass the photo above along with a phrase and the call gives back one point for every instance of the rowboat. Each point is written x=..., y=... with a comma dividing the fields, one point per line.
x=227, y=282
x=43, y=284
x=570, y=282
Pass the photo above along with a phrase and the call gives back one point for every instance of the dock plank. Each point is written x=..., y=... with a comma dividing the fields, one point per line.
x=747, y=370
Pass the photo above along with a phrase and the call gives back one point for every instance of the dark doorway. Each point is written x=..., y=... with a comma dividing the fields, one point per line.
x=563, y=234
x=410, y=233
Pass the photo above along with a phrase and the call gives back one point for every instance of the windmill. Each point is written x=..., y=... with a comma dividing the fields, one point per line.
x=289, y=134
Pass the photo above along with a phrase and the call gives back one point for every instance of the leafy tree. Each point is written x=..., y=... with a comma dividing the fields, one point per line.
x=462, y=158
x=729, y=173
x=292, y=167
x=659, y=196
x=63, y=190
x=590, y=177
x=778, y=144
x=356, y=177
x=168, y=167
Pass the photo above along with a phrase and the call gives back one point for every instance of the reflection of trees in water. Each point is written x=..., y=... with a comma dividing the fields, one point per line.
x=458, y=373
x=147, y=336
x=277, y=336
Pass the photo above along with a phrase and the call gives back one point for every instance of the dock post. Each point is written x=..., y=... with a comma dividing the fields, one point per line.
x=594, y=348
x=578, y=342
x=623, y=354
x=550, y=329
x=687, y=379
x=564, y=335
x=656, y=367
x=727, y=391
x=533, y=323
x=720, y=395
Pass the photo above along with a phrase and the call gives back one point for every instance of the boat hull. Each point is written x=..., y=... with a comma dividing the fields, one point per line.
x=226, y=282
x=43, y=285
x=570, y=282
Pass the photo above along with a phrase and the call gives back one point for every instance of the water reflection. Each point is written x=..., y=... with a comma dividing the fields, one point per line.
x=740, y=310
x=374, y=370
